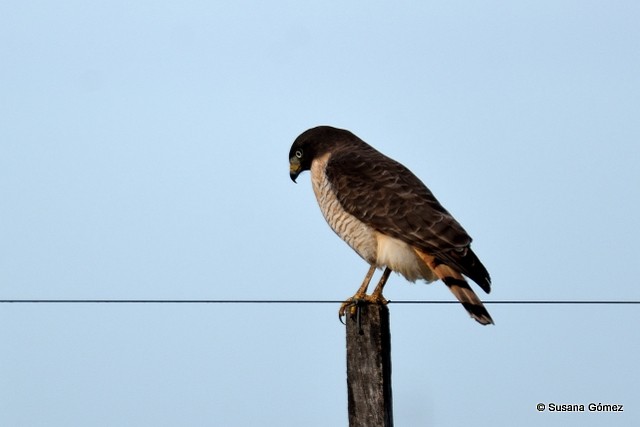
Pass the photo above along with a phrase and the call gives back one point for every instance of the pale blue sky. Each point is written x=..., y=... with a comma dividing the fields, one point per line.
x=143, y=154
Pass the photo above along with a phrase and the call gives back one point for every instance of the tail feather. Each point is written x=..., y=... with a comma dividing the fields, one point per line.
x=468, y=263
x=469, y=300
x=459, y=288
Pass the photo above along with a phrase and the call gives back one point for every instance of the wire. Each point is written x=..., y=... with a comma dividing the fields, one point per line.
x=264, y=301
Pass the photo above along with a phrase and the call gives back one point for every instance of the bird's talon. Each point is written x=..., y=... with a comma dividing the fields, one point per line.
x=355, y=303
x=352, y=305
x=343, y=309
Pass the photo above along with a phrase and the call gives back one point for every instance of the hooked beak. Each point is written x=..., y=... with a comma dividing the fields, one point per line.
x=294, y=168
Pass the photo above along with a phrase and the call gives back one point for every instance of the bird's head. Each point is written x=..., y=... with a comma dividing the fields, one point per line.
x=312, y=144
x=300, y=157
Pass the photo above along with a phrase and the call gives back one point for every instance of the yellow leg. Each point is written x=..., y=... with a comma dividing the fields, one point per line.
x=376, y=297
x=360, y=294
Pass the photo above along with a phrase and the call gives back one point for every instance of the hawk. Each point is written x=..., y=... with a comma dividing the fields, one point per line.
x=388, y=216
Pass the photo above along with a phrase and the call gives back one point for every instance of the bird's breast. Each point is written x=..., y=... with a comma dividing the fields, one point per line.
x=356, y=233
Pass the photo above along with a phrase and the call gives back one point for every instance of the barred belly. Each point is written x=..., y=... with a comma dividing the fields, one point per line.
x=357, y=234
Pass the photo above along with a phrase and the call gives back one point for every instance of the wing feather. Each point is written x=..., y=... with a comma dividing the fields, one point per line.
x=387, y=196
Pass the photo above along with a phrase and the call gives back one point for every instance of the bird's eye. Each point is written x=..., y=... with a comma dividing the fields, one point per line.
x=299, y=154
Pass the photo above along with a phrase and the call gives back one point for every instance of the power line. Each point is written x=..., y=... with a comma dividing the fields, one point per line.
x=282, y=301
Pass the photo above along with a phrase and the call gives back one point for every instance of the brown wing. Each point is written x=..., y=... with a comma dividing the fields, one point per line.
x=388, y=197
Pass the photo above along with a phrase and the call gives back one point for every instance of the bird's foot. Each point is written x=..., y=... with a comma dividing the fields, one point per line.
x=353, y=304
x=350, y=304
x=377, y=298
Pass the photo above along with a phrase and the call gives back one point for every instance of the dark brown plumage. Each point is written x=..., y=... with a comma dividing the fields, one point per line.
x=368, y=198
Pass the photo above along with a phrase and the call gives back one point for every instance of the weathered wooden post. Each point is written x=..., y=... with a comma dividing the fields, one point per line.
x=369, y=367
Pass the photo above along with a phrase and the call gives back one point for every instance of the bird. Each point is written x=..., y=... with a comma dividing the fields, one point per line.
x=388, y=216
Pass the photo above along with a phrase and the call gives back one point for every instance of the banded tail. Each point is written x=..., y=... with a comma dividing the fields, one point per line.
x=459, y=287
